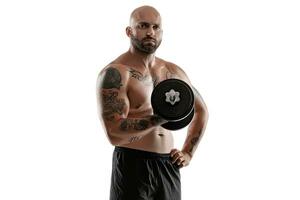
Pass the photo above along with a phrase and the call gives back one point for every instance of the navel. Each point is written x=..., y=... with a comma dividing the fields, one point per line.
x=138, y=106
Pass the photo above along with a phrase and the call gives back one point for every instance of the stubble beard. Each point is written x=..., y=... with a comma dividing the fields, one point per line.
x=148, y=49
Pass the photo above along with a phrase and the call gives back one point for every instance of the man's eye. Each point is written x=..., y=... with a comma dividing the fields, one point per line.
x=142, y=26
x=156, y=27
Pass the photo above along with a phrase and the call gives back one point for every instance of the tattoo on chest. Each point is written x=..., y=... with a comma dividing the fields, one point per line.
x=112, y=79
x=145, y=79
x=155, y=80
x=112, y=104
x=137, y=75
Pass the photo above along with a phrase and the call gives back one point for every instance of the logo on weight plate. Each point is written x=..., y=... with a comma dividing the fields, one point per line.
x=172, y=97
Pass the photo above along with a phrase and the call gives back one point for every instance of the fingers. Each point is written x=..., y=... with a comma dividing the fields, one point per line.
x=174, y=154
x=173, y=151
x=180, y=162
x=177, y=156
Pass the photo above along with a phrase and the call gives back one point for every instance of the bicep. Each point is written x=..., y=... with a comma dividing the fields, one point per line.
x=114, y=104
x=179, y=73
x=199, y=106
x=112, y=96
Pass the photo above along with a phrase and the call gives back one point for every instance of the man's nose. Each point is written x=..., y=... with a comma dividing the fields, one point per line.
x=150, y=31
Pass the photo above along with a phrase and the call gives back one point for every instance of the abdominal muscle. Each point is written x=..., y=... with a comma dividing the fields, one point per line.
x=159, y=140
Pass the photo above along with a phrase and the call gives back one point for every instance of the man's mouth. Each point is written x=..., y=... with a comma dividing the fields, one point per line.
x=150, y=40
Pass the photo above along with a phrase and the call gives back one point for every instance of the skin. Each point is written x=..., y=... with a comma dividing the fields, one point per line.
x=124, y=89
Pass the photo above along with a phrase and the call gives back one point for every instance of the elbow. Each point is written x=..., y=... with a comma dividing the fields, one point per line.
x=111, y=136
x=114, y=143
x=114, y=140
x=202, y=112
x=206, y=115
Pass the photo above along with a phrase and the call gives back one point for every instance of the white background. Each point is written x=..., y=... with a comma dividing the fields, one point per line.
x=243, y=56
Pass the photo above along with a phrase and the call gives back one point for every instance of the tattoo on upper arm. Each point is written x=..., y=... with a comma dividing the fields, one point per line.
x=135, y=124
x=112, y=79
x=112, y=104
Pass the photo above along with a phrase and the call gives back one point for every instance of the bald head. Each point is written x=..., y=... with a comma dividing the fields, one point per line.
x=145, y=31
x=144, y=13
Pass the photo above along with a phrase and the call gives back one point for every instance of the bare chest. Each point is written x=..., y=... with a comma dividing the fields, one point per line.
x=140, y=87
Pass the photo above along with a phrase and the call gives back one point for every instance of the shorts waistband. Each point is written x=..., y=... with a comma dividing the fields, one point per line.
x=142, y=153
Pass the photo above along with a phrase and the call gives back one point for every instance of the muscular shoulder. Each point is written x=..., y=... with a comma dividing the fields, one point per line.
x=175, y=71
x=172, y=67
x=175, y=68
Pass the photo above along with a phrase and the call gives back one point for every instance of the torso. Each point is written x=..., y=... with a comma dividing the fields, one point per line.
x=140, y=84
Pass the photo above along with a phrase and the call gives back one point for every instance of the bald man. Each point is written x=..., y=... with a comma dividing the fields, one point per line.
x=145, y=163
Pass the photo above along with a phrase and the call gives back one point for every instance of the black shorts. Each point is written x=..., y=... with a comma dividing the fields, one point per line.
x=138, y=175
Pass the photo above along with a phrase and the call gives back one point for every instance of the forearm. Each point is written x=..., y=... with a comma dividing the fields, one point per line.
x=128, y=130
x=196, y=130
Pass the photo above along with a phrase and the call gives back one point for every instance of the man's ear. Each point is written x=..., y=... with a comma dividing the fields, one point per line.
x=128, y=31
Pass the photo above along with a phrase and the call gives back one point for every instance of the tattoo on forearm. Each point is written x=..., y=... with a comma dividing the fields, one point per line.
x=137, y=75
x=155, y=120
x=112, y=79
x=193, y=143
x=111, y=104
x=134, y=124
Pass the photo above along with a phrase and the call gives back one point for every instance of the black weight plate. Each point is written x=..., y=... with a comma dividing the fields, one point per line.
x=165, y=109
x=173, y=126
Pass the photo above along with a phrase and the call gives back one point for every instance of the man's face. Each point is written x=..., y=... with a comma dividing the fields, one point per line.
x=146, y=35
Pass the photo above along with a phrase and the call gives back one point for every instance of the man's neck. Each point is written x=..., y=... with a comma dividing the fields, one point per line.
x=142, y=59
